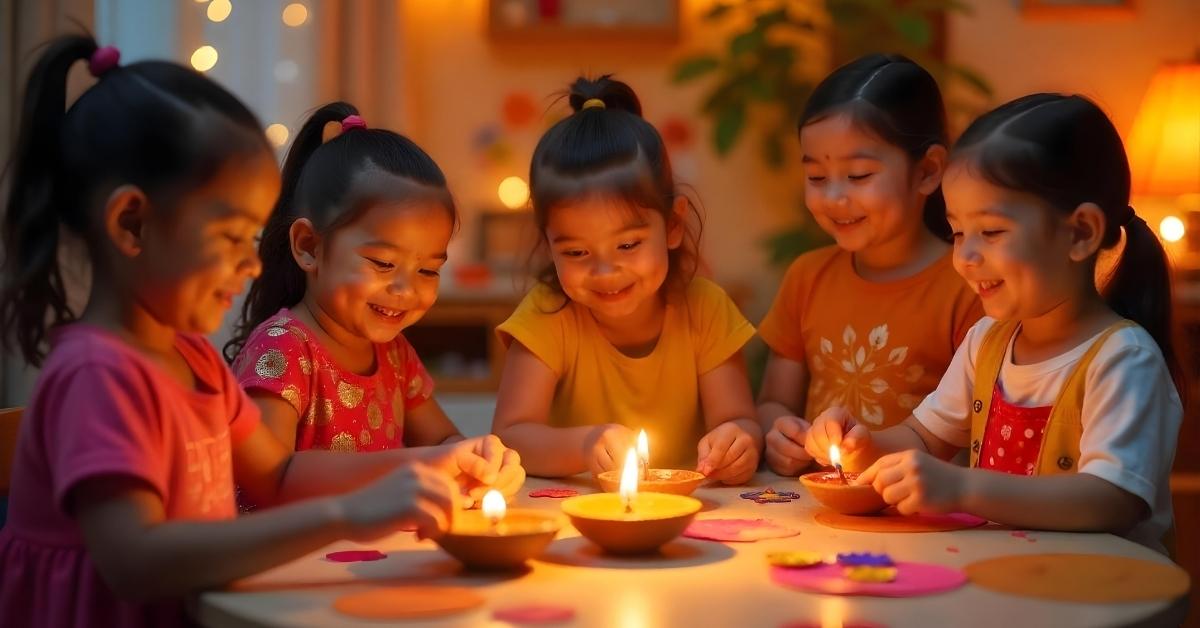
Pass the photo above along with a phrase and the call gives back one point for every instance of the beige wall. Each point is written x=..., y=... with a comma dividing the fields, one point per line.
x=450, y=54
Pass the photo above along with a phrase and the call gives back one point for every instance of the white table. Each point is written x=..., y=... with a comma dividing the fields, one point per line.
x=693, y=584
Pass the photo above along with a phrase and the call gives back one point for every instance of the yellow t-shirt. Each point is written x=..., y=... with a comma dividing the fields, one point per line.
x=659, y=392
x=875, y=349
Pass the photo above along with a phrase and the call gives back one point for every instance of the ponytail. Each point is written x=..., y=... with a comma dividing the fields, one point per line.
x=38, y=204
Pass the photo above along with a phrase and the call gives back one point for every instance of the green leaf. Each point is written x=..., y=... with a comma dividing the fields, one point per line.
x=915, y=29
x=729, y=126
x=746, y=42
x=693, y=67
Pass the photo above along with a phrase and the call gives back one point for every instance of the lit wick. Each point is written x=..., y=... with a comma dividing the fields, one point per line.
x=629, y=480
x=643, y=449
x=494, y=508
x=835, y=458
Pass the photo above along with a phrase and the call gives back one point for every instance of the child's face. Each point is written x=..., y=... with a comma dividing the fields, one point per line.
x=380, y=273
x=1012, y=248
x=201, y=255
x=862, y=191
x=610, y=257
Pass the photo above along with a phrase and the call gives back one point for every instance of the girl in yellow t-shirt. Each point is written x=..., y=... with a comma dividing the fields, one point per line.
x=619, y=335
x=868, y=325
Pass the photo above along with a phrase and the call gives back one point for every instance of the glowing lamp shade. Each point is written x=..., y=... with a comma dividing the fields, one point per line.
x=513, y=192
x=1164, y=143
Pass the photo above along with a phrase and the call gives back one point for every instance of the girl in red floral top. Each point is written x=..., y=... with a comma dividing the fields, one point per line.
x=351, y=257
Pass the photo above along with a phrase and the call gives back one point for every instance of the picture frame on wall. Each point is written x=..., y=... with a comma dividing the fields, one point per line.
x=1078, y=9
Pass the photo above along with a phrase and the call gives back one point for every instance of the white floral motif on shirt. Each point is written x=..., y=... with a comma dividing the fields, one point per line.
x=856, y=375
x=1006, y=432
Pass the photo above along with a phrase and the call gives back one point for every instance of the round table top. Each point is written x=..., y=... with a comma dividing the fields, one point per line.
x=691, y=583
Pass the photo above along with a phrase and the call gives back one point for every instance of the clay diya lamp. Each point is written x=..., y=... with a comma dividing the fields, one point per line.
x=671, y=481
x=631, y=521
x=496, y=538
x=837, y=491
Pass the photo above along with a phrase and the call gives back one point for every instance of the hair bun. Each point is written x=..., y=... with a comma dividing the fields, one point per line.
x=614, y=94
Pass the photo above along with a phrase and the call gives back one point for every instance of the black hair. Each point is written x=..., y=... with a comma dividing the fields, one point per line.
x=1065, y=151
x=153, y=124
x=329, y=183
x=893, y=98
x=609, y=151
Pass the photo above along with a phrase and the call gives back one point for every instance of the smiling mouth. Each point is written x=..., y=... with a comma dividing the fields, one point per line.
x=613, y=294
x=848, y=222
x=987, y=287
x=386, y=312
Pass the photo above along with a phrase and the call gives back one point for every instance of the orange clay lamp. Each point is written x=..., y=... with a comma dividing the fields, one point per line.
x=673, y=481
x=495, y=538
x=834, y=490
x=631, y=521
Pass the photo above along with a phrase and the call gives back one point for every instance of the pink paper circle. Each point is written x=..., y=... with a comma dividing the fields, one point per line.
x=738, y=530
x=355, y=556
x=534, y=614
x=912, y=580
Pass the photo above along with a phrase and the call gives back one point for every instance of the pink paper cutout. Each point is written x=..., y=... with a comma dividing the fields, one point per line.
x=534, y=614
x=737, y=530
x=952, y=549
x=912, y=580
x=554, y=492
x=355, y=556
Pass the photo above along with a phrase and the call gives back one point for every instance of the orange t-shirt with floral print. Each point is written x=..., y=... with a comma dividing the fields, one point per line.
x=339, y=409
x=874, y=348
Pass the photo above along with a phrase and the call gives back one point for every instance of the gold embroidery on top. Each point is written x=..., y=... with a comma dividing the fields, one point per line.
x=364, y=437
x=311, y=416
x=343, y=442
x=292, y=395
x=276, y=332
x=374, y=416
x=271, y=364
x=305, y=365
x=414, y=386
x=393, y=358
x=326, y=414
x=350, y=394
x=390, y=430
x=398, y=408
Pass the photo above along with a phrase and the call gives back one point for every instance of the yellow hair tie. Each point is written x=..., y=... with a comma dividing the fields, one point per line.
x=593, y=102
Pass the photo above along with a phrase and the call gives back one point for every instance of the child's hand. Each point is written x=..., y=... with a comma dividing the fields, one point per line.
x=606, y=446
x=835, y=426
x=728, y=454
x=916, y=482
x=785, y=445
x=477, y=464
x=411, y=495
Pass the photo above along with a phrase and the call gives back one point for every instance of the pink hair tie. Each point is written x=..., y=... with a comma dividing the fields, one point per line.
x=353, y=122
x=103, y=60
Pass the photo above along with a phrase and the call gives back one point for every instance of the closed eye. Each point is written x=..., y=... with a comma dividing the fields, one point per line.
x=860, y=177
x=629, y=246
x=430, y=272
x=380, y=264
x=573, y=253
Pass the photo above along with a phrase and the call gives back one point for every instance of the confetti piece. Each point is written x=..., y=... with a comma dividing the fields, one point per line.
x=952, y=549
x=1020, y=534
x=870, y=574
x=355, y=556
x=534, y=614
x=864, y=559
x=795, y=559
x=554, y=492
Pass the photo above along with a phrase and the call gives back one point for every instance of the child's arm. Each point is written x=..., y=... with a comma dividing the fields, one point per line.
x=523, y=413
x=731, y=449
x=143, y=556
x=780, y=406
x=427, y=424
x=916, y=482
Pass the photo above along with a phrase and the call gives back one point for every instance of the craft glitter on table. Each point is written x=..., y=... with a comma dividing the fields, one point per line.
x=688, y=583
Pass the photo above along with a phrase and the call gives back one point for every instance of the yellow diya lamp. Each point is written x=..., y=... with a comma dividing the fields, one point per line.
x=673, y=481
x=631, y=521
x=837, y=491
x=496, y=538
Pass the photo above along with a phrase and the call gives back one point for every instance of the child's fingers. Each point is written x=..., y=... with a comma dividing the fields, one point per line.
x=784, y=445
x=794, y=428
x=492, y=452
x=510, y=480
x=855, y=439
x=737, y=468
x=431, y=521
x=896, y=493
x=713, y=457
x=868, y=474
x=833, y=432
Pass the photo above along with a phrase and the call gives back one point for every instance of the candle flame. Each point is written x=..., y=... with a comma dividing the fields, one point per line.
x=643, y=447
x=494, y=506
x=835, y=456
x=629, y=479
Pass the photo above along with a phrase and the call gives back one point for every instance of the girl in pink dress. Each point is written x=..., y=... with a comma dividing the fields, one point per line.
x=351, y=257
x=122, y=497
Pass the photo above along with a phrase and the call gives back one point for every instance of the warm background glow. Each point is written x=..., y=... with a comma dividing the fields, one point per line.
x=295, y=14
x=204, y=58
